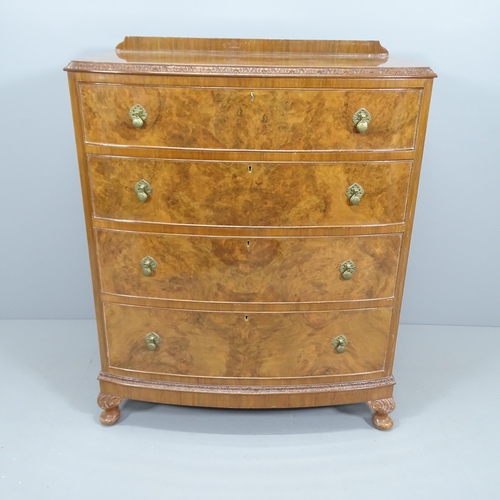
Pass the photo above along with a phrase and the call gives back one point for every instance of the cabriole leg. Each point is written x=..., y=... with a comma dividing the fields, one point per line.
x=110, y=405
x=382, y=408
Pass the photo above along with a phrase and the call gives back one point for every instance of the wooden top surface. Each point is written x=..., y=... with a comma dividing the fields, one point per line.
x=250, y=57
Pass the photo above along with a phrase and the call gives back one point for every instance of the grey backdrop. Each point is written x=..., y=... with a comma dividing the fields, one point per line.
x=454, y=264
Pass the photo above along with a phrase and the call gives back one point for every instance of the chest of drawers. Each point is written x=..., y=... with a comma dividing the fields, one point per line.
x=249, y=206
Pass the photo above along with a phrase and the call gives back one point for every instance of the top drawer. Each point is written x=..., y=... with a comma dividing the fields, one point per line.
x=246, y=119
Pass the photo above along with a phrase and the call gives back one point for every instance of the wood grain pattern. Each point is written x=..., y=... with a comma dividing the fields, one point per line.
x=268, y=194
x=195, y=50
x=204, y=343
x=276, y=119
x=247, y=270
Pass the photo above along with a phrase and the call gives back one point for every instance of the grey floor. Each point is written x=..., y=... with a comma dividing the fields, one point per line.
x=445, y=442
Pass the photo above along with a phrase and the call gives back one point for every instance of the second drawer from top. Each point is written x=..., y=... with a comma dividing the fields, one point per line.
x=249, y=193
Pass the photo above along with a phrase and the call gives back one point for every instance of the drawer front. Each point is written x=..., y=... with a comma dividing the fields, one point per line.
x=218, y=344
x=247, y=269
x=249, y=194
x=250, y=119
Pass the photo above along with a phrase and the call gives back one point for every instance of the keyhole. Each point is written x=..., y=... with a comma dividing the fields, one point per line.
x=248, y=244
x=246, y=318
x=250, y=168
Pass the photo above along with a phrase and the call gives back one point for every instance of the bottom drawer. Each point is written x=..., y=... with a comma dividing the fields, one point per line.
x=234, y=344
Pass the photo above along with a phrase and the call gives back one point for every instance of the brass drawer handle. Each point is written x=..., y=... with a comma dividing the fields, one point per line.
x=347, y=268
x=138, y=115
x=153, y=340
x=355, y=193
x=340, y=343
x=361, y=119
x=148, y=265
x=143, y=189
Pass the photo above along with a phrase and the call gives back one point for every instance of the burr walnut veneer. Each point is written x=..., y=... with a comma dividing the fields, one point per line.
x=249, y=206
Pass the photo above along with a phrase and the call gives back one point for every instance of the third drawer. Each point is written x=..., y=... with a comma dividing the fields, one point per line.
x=254, y=269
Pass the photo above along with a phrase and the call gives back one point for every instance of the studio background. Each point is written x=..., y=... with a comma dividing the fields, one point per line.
x=454, y=265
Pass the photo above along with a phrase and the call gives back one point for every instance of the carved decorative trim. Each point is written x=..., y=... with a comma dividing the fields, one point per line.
x=383, y=406
x=110, y=405
x=248, y=389
x=132, y=68
x=106, y=401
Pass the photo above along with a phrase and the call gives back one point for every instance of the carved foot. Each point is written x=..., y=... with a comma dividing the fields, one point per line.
x=109, y=404
x=382, y=408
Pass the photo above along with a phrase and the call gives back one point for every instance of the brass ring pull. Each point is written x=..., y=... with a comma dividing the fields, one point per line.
x=361, y=119
x=153, y=340
x=340, y=343
x=143, y=189
x=138, y=115
x=148, y=265
x=355, y=193
x=347, y=268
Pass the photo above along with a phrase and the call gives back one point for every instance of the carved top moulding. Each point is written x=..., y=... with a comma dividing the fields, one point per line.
x=246, y=57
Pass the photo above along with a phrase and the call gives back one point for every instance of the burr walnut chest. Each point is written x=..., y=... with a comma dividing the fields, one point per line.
x=249, y=206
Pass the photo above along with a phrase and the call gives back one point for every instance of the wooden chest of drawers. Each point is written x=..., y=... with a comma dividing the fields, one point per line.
x=249, y=206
